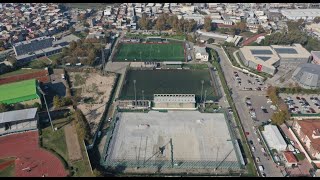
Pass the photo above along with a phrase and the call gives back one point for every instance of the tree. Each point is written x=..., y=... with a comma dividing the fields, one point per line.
x=207, y=23
x=210, y=41
x=2, y=43
x=72, y=46
x=37, y=105
x=86, y=24
x=86, y=30
x=316, y=19
x=97, y=173
x=56, y=102
x=260, y=29
x=12, y=60
x=160, y=23
x=72, y=30
x=241, y=26
x=18, y=106
x=3, y=108
x=144, y=22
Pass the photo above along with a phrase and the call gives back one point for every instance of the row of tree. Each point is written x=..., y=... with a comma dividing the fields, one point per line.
x=82, y=126
x=17, y=106
x=166, y=22
x=79, y=52
x=282, y=113
x=59, y=102
x=291, y=36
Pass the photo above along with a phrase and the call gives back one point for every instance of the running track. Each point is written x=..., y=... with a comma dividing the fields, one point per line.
x=25, y=147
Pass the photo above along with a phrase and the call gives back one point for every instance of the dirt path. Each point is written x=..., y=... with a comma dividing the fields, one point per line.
x=74, y=150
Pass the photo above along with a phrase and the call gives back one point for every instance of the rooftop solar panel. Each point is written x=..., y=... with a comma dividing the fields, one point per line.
x=255, y=52
x=263, y=58
x=285, y=50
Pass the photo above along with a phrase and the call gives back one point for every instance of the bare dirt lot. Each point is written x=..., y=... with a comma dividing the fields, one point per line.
x=94, y=91
x=74, y=150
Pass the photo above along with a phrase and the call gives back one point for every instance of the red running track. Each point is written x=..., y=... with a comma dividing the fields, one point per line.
x=25, y=147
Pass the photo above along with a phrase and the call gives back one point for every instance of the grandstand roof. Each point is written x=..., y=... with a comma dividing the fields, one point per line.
x=174, y=98
x=307, y=75
x=18, y=115
x=18, y=92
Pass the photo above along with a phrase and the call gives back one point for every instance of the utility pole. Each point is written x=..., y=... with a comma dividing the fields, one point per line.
x=202, y=81
x=135, y=94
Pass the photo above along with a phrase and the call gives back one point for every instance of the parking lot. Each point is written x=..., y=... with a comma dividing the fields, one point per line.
x=302, y=104
x=259, y=108
x=245, y=81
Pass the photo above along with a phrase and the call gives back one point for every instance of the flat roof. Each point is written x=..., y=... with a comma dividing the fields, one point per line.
x=18, y=91
x=294, y=51
x=300, y=12
x=263, y=55
x=195, y=137
x=177, y=98
x=18, y=115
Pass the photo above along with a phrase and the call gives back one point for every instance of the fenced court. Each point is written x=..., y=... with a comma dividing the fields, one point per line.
x=168, y=82
x=142, y=52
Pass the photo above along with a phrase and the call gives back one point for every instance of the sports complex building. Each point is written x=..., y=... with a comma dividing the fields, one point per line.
x=18, y=121
x=269, y=58
x=25, y=92
x=307, y=75
x=181, y=140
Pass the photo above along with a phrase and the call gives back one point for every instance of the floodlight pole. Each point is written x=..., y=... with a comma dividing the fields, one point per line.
x=45, y=101
x=143, y=99
x=135, y=94
x=202, y=81
x=205, y=96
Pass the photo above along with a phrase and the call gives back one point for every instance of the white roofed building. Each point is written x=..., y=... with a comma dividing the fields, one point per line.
x=174, y=101
x=18, y=121
x=273, y=138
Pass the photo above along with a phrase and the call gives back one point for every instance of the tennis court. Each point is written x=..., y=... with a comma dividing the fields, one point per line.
x=150, y=52
x=168, y=82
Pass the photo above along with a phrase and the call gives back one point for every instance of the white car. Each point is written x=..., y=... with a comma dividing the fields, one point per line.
x=252, y=147
x=297, y=151
x=291, y=142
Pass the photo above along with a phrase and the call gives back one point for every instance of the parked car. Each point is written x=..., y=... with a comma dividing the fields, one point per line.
x=291, y=142
x=251, y=142
x=298, y=98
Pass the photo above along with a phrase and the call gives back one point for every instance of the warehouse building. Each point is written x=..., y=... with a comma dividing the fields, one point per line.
x=292, y=56
x=262, y=58
x=307, y=75
x=18, y=121
x=273, y=138
x=25, y=92
x=174, y=101
x=296, y=14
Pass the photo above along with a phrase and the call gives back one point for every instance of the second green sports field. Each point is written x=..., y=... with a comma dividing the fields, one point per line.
x=143, y=52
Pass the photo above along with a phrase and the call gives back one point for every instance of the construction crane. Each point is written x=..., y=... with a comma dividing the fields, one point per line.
x=161, y=151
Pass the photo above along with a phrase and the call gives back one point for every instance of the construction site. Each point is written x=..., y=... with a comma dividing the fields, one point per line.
x=172, y=142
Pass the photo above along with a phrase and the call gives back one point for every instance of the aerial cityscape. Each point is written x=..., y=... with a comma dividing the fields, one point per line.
x=159, y=89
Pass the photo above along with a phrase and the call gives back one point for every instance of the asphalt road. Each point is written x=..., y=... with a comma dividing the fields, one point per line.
x=270, y=168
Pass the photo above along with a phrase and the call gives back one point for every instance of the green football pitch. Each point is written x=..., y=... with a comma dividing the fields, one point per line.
x=168, y=82
x=132, y=52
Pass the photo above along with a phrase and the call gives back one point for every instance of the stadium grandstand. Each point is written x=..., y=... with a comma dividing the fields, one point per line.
x=25, y=92
x=174, y=101
x=18, y=121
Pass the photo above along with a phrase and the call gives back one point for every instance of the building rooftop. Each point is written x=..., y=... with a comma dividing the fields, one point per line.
x=176, y=98
x=301, y=12
x=273, y=136
x=307, y=127
x=18, y=115
x=307, y=74
x=316, y=53
x=290, y=157
x=264, y=55
x=18, y=92
x=295, y=51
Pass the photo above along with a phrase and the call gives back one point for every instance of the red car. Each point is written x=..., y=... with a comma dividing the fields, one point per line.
x=247, y=133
